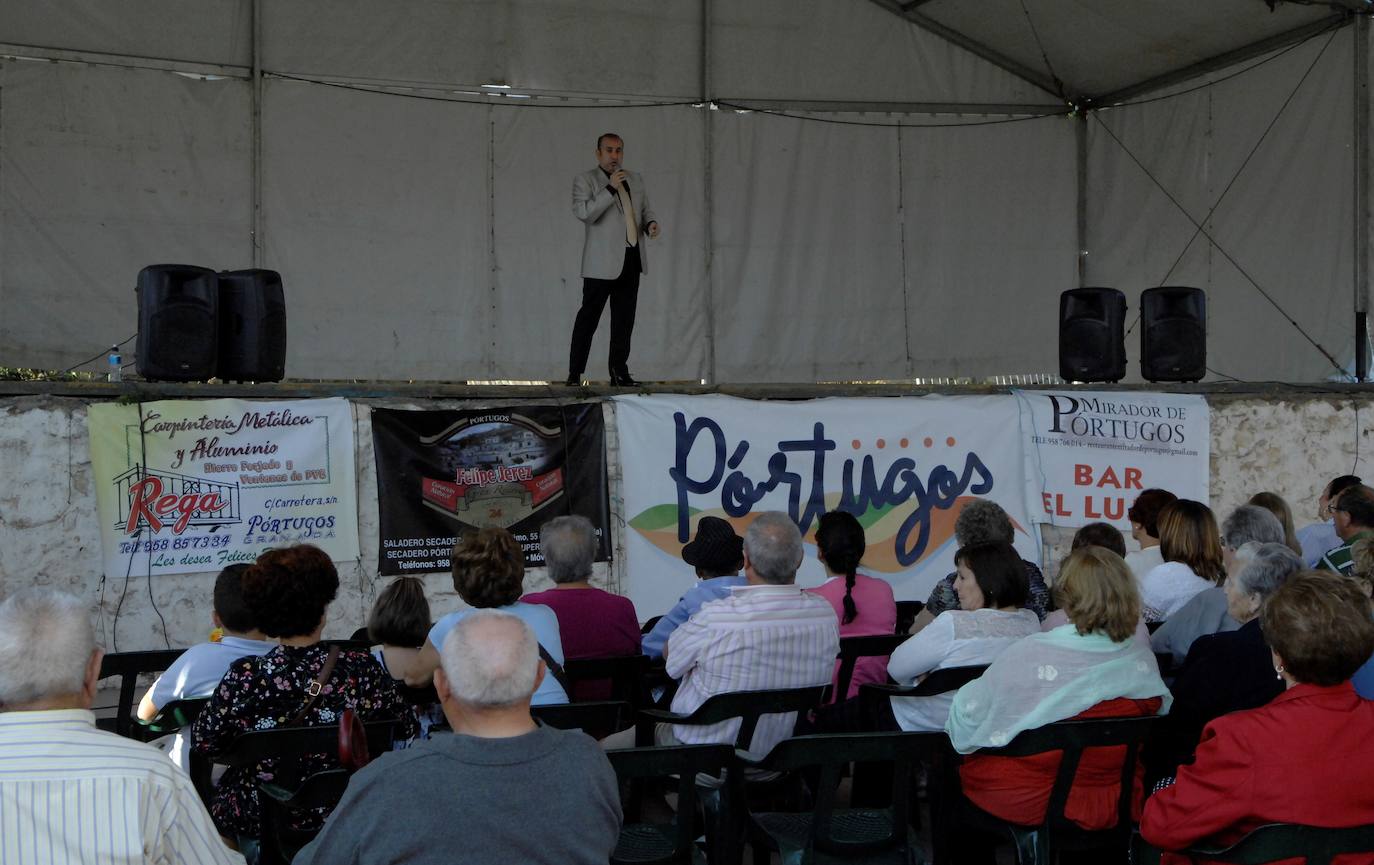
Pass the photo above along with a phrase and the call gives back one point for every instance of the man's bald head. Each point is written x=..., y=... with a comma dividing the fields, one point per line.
x=491, y=660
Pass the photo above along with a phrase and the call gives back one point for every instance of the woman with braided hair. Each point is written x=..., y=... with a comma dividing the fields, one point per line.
x=864, y=605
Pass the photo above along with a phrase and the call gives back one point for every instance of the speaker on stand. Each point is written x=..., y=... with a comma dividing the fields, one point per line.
x=1092, y=339
x=252, y=326
x=178, y=324
x=1173, y=334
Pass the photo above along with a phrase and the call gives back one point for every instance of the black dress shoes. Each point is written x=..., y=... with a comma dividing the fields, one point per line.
x=574, y=381
x=623, y=379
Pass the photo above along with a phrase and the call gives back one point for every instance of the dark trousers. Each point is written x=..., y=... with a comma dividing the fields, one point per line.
x=623, y=293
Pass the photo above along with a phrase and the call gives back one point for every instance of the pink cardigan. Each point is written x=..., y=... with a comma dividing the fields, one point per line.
x=877, y=615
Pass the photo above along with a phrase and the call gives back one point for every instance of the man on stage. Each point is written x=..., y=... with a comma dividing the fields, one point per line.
x=614, y=206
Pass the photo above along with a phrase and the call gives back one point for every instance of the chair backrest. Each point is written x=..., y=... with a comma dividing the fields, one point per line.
x=682, y=763
x=938, y=682
x=597, y=719
x=625, y=672
x=832, y=753
x=1275, y=842
x=1072, y=738
x=172, y=717
x=854, y=648
x=349, y=645
x=749, y=706
x=279, y=842
x=907, y=611
x=649, y=625
x=128, y=666
x=288, y=744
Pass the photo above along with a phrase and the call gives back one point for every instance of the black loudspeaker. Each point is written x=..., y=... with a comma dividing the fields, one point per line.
x=178, y=324
x=1092, y=337
x=1173, y=334
x=252, y=326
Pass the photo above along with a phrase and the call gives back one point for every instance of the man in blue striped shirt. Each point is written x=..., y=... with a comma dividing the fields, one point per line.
x=70, y=793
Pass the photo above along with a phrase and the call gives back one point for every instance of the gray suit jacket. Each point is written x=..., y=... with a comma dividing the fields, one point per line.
x=603, y=249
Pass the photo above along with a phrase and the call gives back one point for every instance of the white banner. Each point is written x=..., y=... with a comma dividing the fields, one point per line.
x=903, y=466
x=189, y=486
x=1092, y=452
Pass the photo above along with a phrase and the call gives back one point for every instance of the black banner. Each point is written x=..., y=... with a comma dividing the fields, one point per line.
x=441, y=473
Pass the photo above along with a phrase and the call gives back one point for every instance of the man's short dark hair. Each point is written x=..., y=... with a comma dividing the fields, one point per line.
x=1146, y=507
x=999, y=572
x=229, y=604
x=1358, y=502
x=1100, y=535
x=603, y=136
x=1340, y=485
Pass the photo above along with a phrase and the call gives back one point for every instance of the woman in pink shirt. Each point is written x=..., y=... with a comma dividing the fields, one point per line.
x=864, y=605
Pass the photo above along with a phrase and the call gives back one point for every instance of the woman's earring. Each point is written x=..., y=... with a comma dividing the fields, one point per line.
x=1279, y=671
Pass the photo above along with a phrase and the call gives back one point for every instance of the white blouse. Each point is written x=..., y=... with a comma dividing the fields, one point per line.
x=1167, y=587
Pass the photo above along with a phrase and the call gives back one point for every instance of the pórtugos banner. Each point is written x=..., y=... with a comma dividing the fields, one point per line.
x=904, y=466
x=443, y=473
x=184, y=486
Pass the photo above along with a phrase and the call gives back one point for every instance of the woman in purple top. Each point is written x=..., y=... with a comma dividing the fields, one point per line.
x=592, y=622
x=865, y=605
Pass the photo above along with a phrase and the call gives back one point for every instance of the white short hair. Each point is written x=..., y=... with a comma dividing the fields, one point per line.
x=46, y=641
x=490, y=659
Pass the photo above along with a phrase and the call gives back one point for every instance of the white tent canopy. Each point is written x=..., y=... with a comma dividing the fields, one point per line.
x=848, y=192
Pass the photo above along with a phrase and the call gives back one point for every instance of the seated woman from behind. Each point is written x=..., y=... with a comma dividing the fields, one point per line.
x=287, y=591
x=991, y=583
x=1088, y=668
x=1193, y=559
x=488, y=572
x=864, y=604
x=1308, y=756
x=397, y=626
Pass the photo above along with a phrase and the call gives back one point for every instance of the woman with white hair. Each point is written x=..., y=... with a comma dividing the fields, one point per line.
x=1228, y=671
x=983, y=522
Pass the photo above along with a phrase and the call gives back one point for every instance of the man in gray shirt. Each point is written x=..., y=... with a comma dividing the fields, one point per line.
x=499, y=789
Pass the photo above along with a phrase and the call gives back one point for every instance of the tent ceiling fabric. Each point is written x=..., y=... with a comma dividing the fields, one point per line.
x=1100, y=47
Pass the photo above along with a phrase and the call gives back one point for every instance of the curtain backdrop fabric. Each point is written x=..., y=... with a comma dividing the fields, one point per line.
x=426, y=239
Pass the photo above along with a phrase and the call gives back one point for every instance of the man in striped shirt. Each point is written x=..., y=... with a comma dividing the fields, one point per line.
x=1353, y=512
x=765, y=634
x=70, y=793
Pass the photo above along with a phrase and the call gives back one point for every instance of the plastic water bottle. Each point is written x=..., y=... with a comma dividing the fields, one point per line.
x=115, y=364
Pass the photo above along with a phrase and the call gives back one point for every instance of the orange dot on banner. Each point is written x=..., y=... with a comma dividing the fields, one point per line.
x=857, y=444
x=950, y=441
x=881, y=444
x=929, y=441
x=904, y=442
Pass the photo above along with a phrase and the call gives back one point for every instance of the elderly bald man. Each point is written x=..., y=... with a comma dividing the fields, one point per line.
x=84, y=795
x=501, y=788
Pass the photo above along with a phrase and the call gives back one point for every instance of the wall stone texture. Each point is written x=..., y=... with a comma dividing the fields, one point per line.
x=1286, y=441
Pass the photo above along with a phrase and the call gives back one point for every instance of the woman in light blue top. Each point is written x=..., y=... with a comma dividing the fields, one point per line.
x=488, y=570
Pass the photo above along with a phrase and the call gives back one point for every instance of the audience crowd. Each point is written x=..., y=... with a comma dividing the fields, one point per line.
x=1250, y=643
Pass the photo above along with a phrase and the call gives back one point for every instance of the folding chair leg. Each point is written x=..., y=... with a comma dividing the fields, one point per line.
x=1032, y=847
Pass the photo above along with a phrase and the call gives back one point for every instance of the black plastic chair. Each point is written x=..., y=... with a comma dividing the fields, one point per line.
x=280, y=843
x=938, y=682
x=286, y=745
x=171, y=717
x=654, y=843
x=128, y=666
x=854, y=648
x=626, y=674
x=350, y=645
x=1273, y=843
x=1040, y=844
x=748, y=706
x=844, y=833
x=907, y=611
x=649, y=625
x=597, y=719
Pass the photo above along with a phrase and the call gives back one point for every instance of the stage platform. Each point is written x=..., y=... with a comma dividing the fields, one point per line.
x=429, y=390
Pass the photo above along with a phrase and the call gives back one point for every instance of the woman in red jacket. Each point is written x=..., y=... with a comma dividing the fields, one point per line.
x=1308, y=756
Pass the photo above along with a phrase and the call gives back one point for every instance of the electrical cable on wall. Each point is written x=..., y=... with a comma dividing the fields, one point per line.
x=98, y=356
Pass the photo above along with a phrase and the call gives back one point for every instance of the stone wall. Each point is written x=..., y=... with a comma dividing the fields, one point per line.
x=1284, y=440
